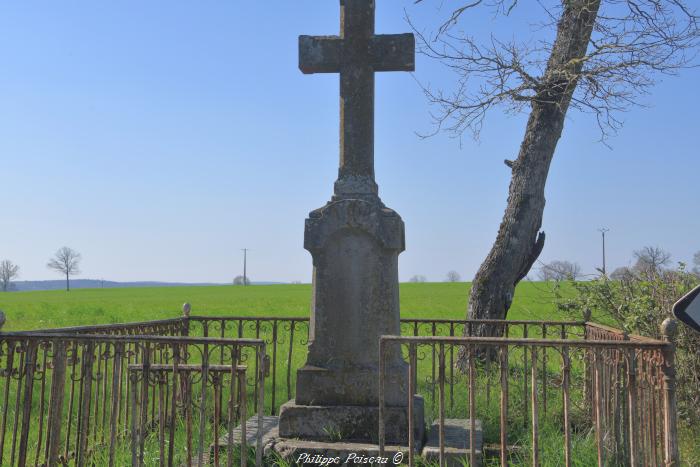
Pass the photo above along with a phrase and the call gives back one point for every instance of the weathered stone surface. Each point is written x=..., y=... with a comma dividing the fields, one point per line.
x=355, y=242
x=356, y=54
x=355, y=246
x=457, y=437
x=349, y=423
x=357, y=385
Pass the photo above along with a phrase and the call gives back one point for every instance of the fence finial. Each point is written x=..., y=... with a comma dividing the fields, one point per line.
x=186, y=308
x=669, y=329
x=2, y=319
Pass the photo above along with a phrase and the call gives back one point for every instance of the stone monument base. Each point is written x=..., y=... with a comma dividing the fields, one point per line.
x=354, y=386
x=349, y=423
x=457, y=449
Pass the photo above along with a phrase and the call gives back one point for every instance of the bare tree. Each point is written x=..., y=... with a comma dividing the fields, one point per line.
x=8, y=272
x=696, y=262
x=560, y=271
x=453, y=276
x=622, y=274
x=240, y=280
x=66, y=261
x=651, y=260
x=595, y=56
x=417, y=278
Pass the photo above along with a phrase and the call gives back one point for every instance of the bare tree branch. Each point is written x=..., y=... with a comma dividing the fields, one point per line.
x=559, y=271
x=634, y=43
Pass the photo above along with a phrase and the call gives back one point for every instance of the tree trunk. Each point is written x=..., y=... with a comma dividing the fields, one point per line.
x=518, y=243
x=67, y=282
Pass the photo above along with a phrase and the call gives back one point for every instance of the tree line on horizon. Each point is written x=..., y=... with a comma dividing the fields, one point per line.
x=66, y=262
x=647, y=261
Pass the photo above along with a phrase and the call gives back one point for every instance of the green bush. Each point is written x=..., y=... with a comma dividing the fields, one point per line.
x=638, y=302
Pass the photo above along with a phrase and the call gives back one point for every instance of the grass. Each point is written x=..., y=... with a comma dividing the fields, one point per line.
x=49, y=309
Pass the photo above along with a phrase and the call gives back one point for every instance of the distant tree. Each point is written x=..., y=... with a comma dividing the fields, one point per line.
x=417, y=278
x=651, y=260
x=8, y=272
x=559, y=271
x=238, y=280
x=453, y=276
x=696, y=262
x=622, y=274
x=66, y=261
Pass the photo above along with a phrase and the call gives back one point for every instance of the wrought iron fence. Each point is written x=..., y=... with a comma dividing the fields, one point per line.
x=286, y=340
x=609, y=394
x=91, y=399
x=171, y=391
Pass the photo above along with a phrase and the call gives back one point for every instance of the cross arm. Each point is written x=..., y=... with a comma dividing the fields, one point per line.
x=319, y=54
x=393, y=52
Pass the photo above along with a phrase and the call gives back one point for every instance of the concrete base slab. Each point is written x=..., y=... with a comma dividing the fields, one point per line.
x=269, y=432
x=457, y=449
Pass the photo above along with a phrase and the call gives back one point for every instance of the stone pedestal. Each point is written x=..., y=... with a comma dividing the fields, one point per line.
x=355, y=245
x=349, y=423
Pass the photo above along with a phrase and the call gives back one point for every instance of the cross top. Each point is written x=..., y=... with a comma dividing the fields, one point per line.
x=356, y=54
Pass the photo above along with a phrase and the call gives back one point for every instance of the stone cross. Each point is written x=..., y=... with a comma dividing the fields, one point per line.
x=356, y=54
x=355, y=242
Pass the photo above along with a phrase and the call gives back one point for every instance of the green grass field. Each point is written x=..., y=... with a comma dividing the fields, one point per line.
x=49, y=309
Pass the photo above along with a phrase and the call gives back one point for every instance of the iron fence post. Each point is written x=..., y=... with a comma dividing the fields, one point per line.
x=669, y=330
x=29, y=369
x=262, y=352
x=58, y=382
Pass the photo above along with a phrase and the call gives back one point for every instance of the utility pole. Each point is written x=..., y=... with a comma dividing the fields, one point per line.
x=245, y=260
x=602, y=232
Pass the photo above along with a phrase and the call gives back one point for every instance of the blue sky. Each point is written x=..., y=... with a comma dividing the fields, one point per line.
x=159, y=138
